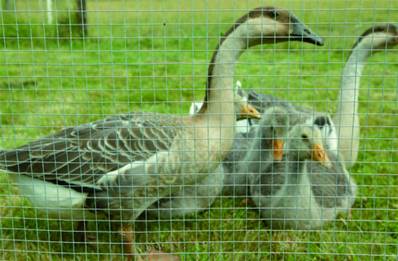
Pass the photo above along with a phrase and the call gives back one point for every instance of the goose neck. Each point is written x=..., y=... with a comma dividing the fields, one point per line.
x=219, y=101
x=350, y=81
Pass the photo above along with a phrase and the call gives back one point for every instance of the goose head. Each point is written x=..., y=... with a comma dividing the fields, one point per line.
x=272, y=25
x=275, y=124
x=328, y=131
x=304, y=142
x=377, y=38
x=244, y=110
x=263, y=25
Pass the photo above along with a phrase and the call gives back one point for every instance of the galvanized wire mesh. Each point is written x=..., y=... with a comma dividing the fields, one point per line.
x=152, y=56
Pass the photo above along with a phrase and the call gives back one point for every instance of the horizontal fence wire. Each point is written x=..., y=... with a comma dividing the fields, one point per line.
x=108, y=153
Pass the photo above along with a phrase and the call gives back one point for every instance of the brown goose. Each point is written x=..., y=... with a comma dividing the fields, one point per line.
x=122, y=165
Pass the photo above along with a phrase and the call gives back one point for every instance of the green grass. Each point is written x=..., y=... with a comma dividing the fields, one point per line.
x=156, y=61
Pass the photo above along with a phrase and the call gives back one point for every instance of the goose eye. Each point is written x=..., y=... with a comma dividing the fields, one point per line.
x=304, y=137
x=272, y=129
x=321, y=121
x=276, y=14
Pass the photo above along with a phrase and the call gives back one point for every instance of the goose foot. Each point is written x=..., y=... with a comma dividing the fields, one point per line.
x=129, y=250
x=349, y=215
x=127, y=233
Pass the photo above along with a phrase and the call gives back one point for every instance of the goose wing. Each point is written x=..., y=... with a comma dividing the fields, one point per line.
x=81, y=155
x=330, y=186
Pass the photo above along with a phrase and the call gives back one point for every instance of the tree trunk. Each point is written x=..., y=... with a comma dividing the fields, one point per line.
x=7, y=5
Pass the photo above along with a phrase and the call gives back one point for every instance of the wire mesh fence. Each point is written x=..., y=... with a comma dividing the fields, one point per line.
x=110, y=151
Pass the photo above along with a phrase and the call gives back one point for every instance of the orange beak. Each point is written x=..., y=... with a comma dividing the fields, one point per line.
x=278, y=149
x=319, y=154
x=249, y=112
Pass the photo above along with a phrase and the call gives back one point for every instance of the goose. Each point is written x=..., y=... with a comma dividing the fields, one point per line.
x=121, y=166
x=236, y=178
x=309, y=187
x=340, y=132
x=200, y=196
x=251, y=154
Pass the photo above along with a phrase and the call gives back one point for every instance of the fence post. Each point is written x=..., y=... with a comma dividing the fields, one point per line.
x=49, y=12
x=82, y=17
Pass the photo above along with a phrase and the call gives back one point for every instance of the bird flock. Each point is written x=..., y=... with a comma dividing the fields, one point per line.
x=289, y=162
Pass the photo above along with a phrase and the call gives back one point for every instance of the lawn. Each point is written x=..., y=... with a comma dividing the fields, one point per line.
x=153, y=56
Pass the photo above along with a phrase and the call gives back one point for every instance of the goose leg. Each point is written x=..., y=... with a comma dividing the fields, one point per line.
x=129, y=250
x=127, y=233
x=81, y=234
x=247, y=202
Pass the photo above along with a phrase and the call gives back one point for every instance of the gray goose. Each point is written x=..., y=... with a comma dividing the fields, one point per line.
x=309, y=187
x=251, y=155
x=237, y=179
x=122, y=165
x=264, y=146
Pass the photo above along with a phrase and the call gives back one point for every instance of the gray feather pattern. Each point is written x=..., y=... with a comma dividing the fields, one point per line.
x=81, y=155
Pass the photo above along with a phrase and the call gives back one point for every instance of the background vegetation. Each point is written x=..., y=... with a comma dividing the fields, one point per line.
x=152, y=56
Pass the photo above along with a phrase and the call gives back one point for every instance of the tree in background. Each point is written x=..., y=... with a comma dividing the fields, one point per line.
x=74, y=22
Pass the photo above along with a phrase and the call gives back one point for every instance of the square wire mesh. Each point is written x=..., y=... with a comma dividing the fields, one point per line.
x=63, y=66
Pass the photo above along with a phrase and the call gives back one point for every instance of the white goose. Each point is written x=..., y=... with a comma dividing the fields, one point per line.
x=122, y=165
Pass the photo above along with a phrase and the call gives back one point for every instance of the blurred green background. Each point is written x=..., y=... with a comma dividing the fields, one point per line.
x=153, y=56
